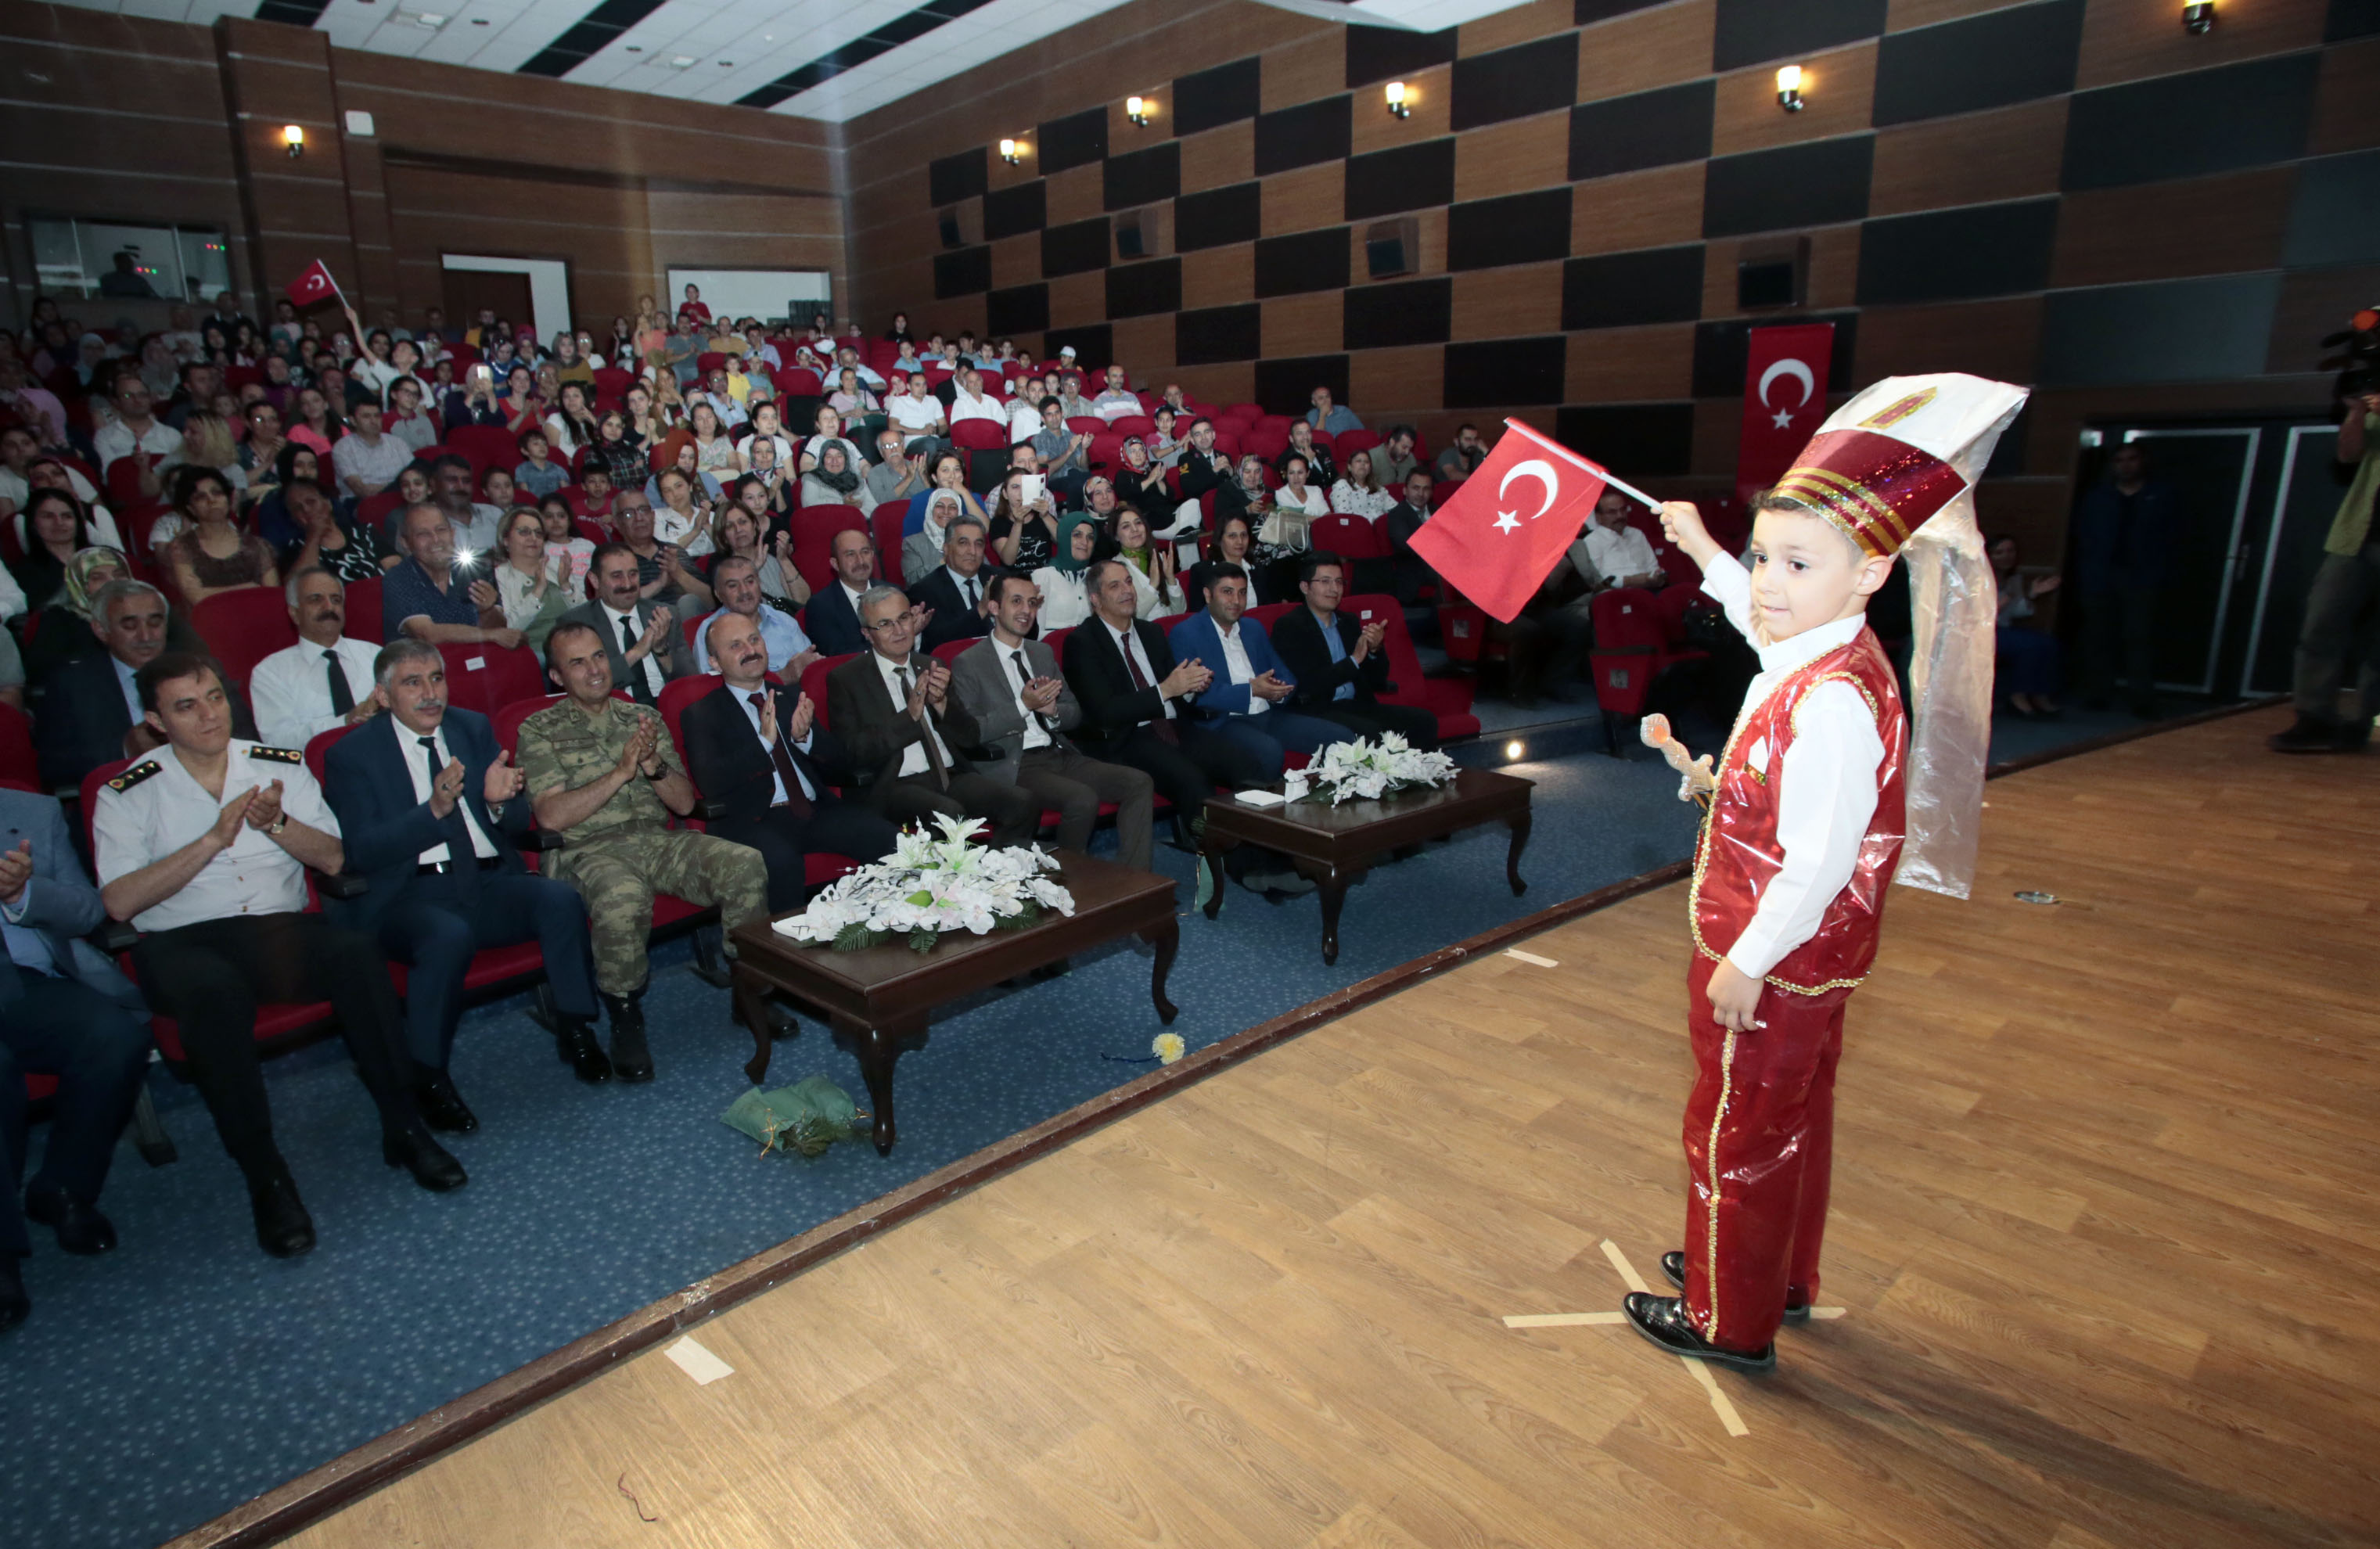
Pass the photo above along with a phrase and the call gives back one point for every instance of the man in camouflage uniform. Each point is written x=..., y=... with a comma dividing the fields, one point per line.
x=605, y=773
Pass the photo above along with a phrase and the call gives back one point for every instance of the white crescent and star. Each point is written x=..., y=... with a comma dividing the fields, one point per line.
x=1801, y=372
x=1539, y=469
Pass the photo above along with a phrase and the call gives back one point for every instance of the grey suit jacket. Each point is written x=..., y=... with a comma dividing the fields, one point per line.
x=60, y=902
x=676, y=660
x=981, y=684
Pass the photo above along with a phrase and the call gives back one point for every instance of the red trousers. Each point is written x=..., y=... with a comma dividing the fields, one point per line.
x=1759, y=1139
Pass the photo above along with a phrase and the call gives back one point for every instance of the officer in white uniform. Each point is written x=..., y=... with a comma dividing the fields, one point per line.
x=204, y=844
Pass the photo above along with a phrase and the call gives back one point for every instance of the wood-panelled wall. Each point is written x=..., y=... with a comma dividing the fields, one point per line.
x=2055, y=123
x=132, y=119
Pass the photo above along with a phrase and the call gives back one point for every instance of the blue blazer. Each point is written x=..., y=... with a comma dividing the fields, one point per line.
x=384, y=830
x=60, y=902
x=1197, y=637
x=830, y=622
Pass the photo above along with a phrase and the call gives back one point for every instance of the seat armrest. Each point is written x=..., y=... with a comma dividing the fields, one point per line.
x=537, y=841
x=710, y=809
x=339, y=884
x=115, y=936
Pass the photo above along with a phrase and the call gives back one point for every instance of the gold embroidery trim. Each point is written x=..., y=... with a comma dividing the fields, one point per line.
x=1710, y=1154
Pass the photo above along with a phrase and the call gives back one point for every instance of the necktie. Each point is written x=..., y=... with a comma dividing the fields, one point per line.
x=1163, y=725
x=970, y=592
x=1025, y=676
x=781, y=755
x=640, y=684
x=933, y=744
x=429, y=756
x=342, y=698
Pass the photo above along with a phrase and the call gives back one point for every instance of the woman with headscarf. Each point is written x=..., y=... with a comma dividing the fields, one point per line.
x=921, y=552
x=1151, y=563
x=834, y=481
x=1065, y=591
x=1246, y=495
x=1136, y=478
x=63, y=634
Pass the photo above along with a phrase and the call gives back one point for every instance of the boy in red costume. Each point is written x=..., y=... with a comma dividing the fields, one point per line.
x=1803, y=835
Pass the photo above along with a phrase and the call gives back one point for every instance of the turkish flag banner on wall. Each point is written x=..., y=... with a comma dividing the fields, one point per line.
x=1784, y=401
x=314, y=285
x=1504, y=529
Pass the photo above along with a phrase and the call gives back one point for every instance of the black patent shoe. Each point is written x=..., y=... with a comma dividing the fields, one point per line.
x=1662, y=1319
x=1797, y=1301
x=431, y=1165
x=575, y=1043
x=441, y=1106
x=15, y=1305
x=283, y=1227
x=81, y=1228
x=2308, y=735
x=632, y=1058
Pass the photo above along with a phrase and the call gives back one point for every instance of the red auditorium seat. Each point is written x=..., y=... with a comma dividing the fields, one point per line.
x=487, y=446
x=613, y=383
x=18, y=764
x=245, y=626
x=1352, y=538
x=485, y=678
x=363, y=610
x=980, y=435
x=819, y=866
x=1631, y=651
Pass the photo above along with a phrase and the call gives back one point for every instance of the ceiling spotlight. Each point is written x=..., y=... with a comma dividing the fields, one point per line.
x=2197, y=16
x=1789, y=89
x=1137, y=109
x=1399, y=99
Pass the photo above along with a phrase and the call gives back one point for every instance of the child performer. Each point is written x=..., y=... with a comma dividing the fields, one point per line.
x=1805, y=830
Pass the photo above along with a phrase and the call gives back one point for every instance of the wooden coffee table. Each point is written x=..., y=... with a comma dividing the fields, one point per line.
x=882, y=995
x=1334, y=845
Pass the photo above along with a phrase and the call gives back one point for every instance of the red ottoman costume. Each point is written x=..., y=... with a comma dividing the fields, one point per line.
x=1805, y=832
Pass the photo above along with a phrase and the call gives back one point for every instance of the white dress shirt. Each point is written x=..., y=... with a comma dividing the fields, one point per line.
x=752, y=714
x=1826, y=797
x=1238, y=668
x=1023, y=421
x=970, y=587
x=635, y=630
x=417, y=761
x=1622, y=551
x=160, y=440
x=290, y=690
x=1037, y=735
x=913, y=757
x=976, y=406
x=915, y=414
x=150, y=820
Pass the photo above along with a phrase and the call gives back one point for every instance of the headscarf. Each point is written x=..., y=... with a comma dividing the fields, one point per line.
x=78, y=587
x=1064, y=560
x=843, y=480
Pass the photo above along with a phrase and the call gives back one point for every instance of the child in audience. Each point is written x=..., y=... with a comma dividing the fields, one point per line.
x=537, y=475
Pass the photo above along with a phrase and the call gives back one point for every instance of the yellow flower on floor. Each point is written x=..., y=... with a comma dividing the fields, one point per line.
x=1167, y=1046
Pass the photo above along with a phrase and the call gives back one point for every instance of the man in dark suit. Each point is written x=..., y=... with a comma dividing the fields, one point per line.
x=893, y=709
x=90, y=703
x=1339, y=663
x=1139, y=705
x=953, y=592
x=428, y=806
x=1406, y=570
x=65, y=1011
x=1010, y=685
x=640, y=635
x=832, y=620
x=770, y=764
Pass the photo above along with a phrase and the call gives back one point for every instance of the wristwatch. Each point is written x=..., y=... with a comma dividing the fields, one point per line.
x=273, y=830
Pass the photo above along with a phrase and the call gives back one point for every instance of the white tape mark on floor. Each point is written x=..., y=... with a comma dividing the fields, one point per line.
x=1719, y=1398
x=697, y=1362
x=1531, y=958
x=1560, y=1320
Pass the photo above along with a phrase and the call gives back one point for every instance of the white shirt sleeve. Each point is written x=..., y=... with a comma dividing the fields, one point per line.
x=278, y=695
x=301, y=798
x=1825, y=794
x=1727, y=583
x=119, y=835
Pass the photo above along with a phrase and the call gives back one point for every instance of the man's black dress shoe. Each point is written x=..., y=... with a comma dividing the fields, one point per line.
x=15, y=1305
x=283, y=1227
x=441, y=1106
x=81, y=1228
x=575, y=1041
x=432, y=1166
x=1797, y=1301
x=632, y=1058
x=1662, y=1319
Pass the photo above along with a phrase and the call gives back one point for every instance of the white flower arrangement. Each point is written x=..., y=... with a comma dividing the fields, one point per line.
x=930, y=884
x=1363, y=770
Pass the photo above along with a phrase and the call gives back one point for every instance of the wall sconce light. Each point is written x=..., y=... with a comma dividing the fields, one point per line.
x=1011, y=151
x=2197, y=16
x=1138, y=109
x=293, y=137
x=1399, y=99
x=1789, y=89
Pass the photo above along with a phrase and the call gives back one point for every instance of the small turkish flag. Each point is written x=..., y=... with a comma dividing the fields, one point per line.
x=1503, y=531
x=314, y=285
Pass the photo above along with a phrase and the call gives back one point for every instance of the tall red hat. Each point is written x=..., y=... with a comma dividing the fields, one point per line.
x=1897, y=454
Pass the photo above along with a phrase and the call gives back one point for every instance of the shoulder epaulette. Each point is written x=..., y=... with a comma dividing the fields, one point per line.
x=278, y=754
x=134, y=775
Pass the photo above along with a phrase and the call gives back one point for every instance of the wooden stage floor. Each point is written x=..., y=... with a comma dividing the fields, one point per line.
x=2100, y=1235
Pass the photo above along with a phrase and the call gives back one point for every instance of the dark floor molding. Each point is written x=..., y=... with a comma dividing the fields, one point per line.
x=316, y=1495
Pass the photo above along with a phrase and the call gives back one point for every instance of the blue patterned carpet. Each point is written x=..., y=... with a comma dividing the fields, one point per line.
x=165, y=1384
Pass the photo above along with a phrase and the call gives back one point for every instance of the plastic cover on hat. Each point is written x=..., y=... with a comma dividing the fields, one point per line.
x=1954, y=607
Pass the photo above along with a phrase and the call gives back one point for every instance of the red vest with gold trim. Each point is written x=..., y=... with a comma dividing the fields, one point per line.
x=1738, y=853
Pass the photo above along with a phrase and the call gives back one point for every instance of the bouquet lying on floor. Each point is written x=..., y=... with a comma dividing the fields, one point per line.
x=807, y=1116
x=1363, y=770
x=927, y=886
